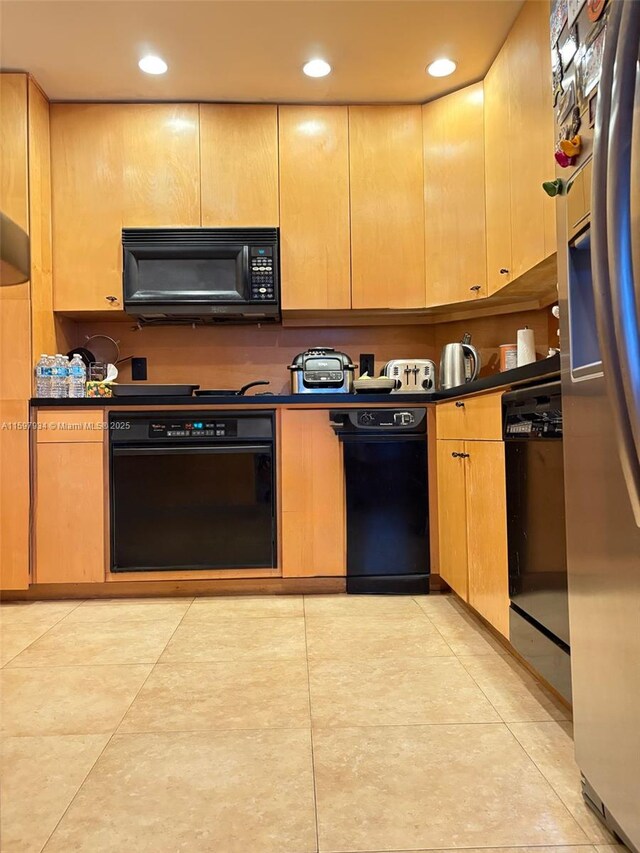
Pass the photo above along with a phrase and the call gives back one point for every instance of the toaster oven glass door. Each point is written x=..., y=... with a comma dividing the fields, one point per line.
x=165, y=275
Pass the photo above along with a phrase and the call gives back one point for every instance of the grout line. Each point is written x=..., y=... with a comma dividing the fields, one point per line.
x=44, y=633
x=151, y=671
x=113, y=733
x=548, y=782
x=313, y=760
x=549, y=847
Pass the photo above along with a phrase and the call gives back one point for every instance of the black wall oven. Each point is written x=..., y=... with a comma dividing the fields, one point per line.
x=201, y=274
x=192, y=490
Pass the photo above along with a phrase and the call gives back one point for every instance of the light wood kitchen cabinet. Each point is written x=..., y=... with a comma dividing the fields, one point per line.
x=474, y=418
x=70, y=489
x=472, y=513
x=454, y=197
x=387, y=207
x=15, y=349
x=312, y=530
x=452, y=516
x=487, y=532
x=14, y=162
x=315, y=245
x=115, y=166
x=519, y=143
x=239, y=165
x=14, y=494
x=497, y=167
x=472, y=526
x=22, y=152
x=43, y=329
x=531, y=116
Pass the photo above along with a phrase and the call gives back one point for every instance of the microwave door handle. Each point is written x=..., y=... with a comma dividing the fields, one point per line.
x=624, y=292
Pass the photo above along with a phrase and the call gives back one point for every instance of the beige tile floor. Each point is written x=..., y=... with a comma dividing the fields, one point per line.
x=278, y=725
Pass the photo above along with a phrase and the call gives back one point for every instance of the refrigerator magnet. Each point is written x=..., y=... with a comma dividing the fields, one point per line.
x=574, y=7
x=595, y=8
x=591, y=61
x=556, y=75
x=558, y=19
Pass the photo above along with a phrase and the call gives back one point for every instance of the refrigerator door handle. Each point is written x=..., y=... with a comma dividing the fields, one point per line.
x=604, y=173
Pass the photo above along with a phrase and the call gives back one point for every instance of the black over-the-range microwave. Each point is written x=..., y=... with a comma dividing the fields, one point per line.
x=201, y=274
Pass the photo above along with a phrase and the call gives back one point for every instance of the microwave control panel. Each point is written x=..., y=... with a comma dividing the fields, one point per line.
x=262, y=273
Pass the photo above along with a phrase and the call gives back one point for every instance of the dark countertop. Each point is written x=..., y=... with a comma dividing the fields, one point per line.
x=545, y=368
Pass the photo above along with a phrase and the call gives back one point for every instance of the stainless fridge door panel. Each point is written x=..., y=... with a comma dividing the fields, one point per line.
x=603, y=540
x=603, y=544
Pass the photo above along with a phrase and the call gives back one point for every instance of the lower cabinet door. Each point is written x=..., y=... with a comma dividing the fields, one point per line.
x=312, y=522
x=70, y=513
x=487, y=532
x=452, y=524
x=14, y=494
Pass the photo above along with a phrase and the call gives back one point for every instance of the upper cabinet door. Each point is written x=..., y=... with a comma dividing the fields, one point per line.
x=13, y=162
x=455, y=246
x=387, y=207
x=498, y=173
x=519, y=141
x=239, y=163
x=115, y=166
x=314, y=207
x=531, y=135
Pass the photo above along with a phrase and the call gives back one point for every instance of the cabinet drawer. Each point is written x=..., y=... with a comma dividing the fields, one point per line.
x=472, y=418
x=62, y=425
x=70, y=480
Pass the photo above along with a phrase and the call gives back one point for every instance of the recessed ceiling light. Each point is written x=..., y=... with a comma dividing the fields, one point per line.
x=316, y=68
x=442, y=67
x=152, y=65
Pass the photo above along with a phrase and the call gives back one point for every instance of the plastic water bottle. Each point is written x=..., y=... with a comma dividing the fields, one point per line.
x=77, y=376
x=44, y=370
x=59, y=381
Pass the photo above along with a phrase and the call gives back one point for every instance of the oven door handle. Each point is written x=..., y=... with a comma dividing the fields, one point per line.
x=191, y=451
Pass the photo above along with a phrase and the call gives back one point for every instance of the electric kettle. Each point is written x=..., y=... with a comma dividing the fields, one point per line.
x=455, y=367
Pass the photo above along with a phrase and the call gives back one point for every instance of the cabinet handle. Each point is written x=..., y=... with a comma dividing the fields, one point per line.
x=456, y=455
x=476, y=287
x=464, y=455
x=111, y=299
x=460, y=404
x=504, y=271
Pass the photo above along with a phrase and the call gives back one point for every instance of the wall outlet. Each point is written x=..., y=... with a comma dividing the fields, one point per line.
x=138, y=369
x=367, y=364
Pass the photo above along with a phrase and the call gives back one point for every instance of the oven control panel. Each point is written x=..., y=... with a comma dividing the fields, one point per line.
x=194, y=428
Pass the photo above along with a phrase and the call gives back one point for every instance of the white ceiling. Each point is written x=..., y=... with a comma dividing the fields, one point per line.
x=251, y=50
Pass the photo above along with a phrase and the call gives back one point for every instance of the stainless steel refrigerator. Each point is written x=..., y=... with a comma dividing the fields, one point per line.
x=597, y=88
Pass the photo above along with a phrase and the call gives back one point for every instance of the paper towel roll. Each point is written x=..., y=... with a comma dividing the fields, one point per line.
x=526, y=346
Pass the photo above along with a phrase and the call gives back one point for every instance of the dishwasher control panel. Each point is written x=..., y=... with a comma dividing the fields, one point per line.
x=382, y=418
x=378, y=420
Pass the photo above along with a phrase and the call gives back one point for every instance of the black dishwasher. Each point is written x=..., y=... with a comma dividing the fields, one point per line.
x=539, y=611
x=192, y=490
x=387, y=498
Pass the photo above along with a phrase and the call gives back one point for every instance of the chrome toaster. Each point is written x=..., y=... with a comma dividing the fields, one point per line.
x=411, y=375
